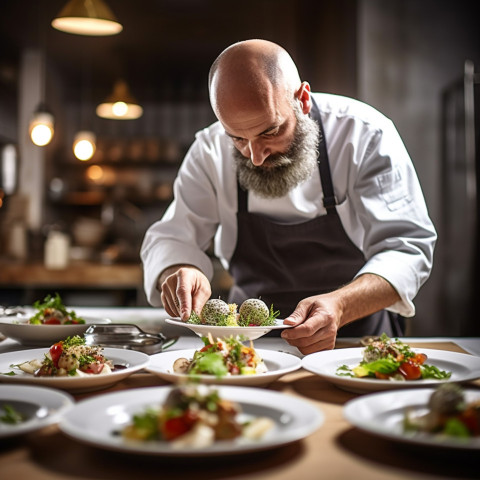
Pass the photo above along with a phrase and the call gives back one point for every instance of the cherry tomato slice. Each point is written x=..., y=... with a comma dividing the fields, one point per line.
x=55, y=352
x=410, y=371
x=174, y=427
x=52, y=321
x=419, y=358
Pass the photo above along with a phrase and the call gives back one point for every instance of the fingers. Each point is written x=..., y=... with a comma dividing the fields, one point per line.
x=185, y=290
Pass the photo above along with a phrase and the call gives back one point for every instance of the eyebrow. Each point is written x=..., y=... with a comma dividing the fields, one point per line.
x=269, y=129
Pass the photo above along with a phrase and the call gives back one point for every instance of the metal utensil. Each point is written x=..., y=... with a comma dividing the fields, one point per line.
x=127, y=336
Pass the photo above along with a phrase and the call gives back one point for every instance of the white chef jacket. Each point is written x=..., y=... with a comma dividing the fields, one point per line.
x=379, y=201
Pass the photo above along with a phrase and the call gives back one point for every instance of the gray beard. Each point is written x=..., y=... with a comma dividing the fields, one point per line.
x=286, y=170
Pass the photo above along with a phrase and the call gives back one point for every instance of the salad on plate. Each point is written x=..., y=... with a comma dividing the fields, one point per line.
x=194, y=416
x=70, y=357
x=222, y=357
x=448, y=415
x=391, y=359
x=52, y=311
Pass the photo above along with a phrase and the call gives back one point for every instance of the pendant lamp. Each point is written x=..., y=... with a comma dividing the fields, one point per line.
x=120, y=105
x=87, y=17
x=41, y=126
x=84, y=145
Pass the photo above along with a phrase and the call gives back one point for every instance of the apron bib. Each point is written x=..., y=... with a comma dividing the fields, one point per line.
x=283, y=264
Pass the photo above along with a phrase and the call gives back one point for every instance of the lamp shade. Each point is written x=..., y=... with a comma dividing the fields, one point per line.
x=41, y=127
x=84, y=145
x=120, y=105
x=87, y=17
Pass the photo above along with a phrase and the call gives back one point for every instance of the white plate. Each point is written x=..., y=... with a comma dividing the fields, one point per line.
x=52, y=403
x=250, y=333
x=95, y=420
x=278, y=364
x=18, y=328
x=464, y=368
x=382, y=414
x=133, y=360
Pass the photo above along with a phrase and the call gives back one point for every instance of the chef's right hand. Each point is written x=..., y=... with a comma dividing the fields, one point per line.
x=183, y=288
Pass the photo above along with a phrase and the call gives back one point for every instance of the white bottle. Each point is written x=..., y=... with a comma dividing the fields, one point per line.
x=57, y=250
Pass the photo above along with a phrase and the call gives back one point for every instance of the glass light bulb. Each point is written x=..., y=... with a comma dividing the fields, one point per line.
x=84, y=145
x=119, y=109
x=41, y=135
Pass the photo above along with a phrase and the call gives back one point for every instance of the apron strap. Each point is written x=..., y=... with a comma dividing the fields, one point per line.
x=329, y=199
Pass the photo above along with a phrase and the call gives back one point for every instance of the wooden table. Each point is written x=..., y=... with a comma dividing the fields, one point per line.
x=335, y=451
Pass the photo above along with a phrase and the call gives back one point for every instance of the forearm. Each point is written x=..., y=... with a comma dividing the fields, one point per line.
x=365, y=295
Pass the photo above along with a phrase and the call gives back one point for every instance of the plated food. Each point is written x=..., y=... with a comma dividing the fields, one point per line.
x=19, y=329
x=391, y=359
x=276, y=364
x=253, y=312
x=125, y=362
x=70, y=357
x=449, y=415
x=462, y=368
x=25, y=408
x=52, y=311
x=221, y=358
x=244, y=333
x=100, y=420
x=391, y=415
x=194, y=416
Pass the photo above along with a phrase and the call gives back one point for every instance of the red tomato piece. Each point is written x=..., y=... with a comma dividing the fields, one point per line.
x=174, y=427
x=419, y=358
x=55, y=352
x=382, y=376
x=410, y=371
x=52, y=321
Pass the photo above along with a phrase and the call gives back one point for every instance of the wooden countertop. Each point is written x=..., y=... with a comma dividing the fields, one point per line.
x=77, y=274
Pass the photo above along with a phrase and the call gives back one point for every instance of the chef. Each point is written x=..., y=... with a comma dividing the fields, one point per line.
x=311, y=199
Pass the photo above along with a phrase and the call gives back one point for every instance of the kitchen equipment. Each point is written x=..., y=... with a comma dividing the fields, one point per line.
x=128, y=336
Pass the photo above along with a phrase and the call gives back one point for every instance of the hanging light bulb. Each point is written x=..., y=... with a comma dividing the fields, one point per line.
x=84, y=145
x=120, y=105
x=87, y=17
x=41, y=126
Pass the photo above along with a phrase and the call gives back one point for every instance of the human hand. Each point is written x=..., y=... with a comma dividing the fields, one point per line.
x=316, y=320
x=183, y=289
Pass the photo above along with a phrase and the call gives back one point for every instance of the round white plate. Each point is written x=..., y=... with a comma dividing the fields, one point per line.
x=464, y=368
x=132, y=360
x=250, y=333
x=51, y=404
x=94, y=421
x=18, y=328
x=382, y=414
x=278, y=364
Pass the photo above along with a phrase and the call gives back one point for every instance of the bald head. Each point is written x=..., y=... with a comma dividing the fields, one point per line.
x=252, y=73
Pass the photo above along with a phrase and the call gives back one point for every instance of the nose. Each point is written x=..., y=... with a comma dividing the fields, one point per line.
x=258, y=152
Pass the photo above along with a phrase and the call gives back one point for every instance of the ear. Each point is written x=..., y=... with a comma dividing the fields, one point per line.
x=303, y=95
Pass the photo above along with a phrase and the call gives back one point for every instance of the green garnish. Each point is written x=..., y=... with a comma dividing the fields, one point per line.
x=210, y=364
x=11, y=416
x=431, y=371
x=53, y=303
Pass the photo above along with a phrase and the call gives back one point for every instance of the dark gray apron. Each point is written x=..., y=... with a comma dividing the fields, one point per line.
x=283, y=264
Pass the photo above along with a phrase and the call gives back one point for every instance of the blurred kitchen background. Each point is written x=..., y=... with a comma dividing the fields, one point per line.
x=75, y=226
